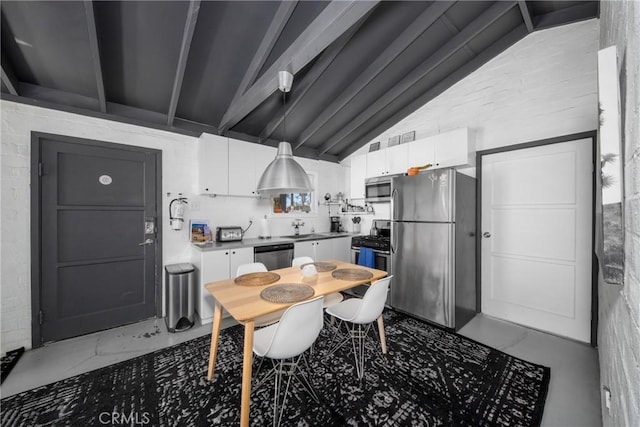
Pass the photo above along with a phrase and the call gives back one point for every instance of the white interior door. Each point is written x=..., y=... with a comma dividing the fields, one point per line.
x=537, y=237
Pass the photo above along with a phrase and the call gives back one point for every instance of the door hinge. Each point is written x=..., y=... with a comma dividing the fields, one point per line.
x=41, y=317
x=39, y=169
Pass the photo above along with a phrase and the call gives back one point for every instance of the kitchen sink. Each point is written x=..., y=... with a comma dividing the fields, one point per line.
x=303, y=236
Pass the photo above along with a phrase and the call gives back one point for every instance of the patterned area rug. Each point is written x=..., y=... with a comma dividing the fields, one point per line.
x=8, y=361
x=429, y=377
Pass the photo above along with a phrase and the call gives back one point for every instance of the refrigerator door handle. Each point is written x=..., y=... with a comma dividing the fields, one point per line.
x=394, y=237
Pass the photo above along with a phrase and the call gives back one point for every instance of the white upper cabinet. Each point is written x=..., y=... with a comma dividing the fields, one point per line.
x=241, y=174
x=444, y=150
x=422, y=152
x=358, y=174
x=376, y=163
x=397, y=159
x=247, y=161
x=454, y=148
x=213, y=165
x=387, y=161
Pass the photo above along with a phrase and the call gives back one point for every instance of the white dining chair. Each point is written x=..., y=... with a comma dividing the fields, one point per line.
x=356, y=312
x=329, y=299
x=284, y=343
x=258, y=267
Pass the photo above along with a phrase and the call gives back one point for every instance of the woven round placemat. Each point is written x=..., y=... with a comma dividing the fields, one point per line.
x=321, y=267
x=257, y=279
x=287, y=292
x=352, y=274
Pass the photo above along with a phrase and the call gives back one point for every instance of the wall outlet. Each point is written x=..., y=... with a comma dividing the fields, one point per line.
x=607, y=398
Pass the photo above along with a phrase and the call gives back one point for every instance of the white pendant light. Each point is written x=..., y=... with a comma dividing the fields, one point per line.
x=284, y=174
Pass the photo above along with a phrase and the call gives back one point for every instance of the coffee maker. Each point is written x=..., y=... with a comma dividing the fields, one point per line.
x=335, y=224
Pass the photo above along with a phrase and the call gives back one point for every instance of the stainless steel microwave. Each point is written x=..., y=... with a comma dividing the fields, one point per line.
x=378, y=189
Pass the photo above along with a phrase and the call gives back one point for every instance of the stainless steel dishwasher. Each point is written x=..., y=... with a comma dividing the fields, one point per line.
x=274, y=256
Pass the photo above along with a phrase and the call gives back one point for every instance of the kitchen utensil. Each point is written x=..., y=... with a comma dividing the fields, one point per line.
x=374, y=231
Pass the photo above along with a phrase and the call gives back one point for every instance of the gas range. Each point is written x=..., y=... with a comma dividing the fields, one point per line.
x=382, y=244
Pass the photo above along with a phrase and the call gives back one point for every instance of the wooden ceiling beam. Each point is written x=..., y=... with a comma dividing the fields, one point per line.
x=95, y=53
x=187, y=37
x=9, y=78
x=332, y=22
x=526, y=15
x=455, y=30
x=478, y=61
x=326, y=58
x=487, y=18
x=269, y=40
x=397, y=46
x=579, y=12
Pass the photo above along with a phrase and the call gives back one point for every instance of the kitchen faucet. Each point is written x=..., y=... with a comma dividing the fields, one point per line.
x=296, y=226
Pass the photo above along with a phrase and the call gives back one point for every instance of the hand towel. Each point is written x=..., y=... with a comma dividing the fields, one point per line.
x=367, y=257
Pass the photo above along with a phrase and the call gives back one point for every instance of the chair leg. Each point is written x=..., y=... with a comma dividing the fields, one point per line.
x=358, y=336
x=383, y=339
x=290, y=370
x=344, y=341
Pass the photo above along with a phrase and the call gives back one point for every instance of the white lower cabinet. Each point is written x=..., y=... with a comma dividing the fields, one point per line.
x=341, y=248
x=304, y=249
x=326, y=249
x=212, y=266
x=323, y=250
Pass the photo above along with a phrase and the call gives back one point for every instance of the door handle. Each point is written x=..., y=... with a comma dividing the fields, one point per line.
x=146, y=242
x=486, y=234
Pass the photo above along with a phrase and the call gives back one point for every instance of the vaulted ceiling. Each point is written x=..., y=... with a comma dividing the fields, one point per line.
x=200, y=66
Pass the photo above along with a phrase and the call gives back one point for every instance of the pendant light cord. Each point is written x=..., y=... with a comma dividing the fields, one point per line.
x=284, y=114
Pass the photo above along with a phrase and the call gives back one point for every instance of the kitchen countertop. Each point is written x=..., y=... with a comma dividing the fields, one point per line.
x=250, y=243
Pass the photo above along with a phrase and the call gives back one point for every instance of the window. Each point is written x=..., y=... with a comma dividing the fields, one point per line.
x=294, y=203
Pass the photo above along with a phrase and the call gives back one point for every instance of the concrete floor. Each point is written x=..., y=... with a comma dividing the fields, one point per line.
x=573, y=399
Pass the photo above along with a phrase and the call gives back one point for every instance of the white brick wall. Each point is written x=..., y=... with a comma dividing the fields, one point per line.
x=619, y=329
x=542, y=87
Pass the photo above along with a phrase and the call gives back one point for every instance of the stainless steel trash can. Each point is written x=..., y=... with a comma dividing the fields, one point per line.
x=180, y=296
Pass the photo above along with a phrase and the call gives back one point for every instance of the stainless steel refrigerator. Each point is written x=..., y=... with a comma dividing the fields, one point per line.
x=433, y=246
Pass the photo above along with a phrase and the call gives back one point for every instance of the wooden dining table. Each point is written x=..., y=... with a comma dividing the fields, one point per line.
x=245, y=304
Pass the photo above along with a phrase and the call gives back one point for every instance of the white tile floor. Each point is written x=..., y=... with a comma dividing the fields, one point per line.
x=573, y=399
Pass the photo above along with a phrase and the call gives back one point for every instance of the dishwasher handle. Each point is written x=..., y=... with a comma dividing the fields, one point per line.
x=273, y=248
